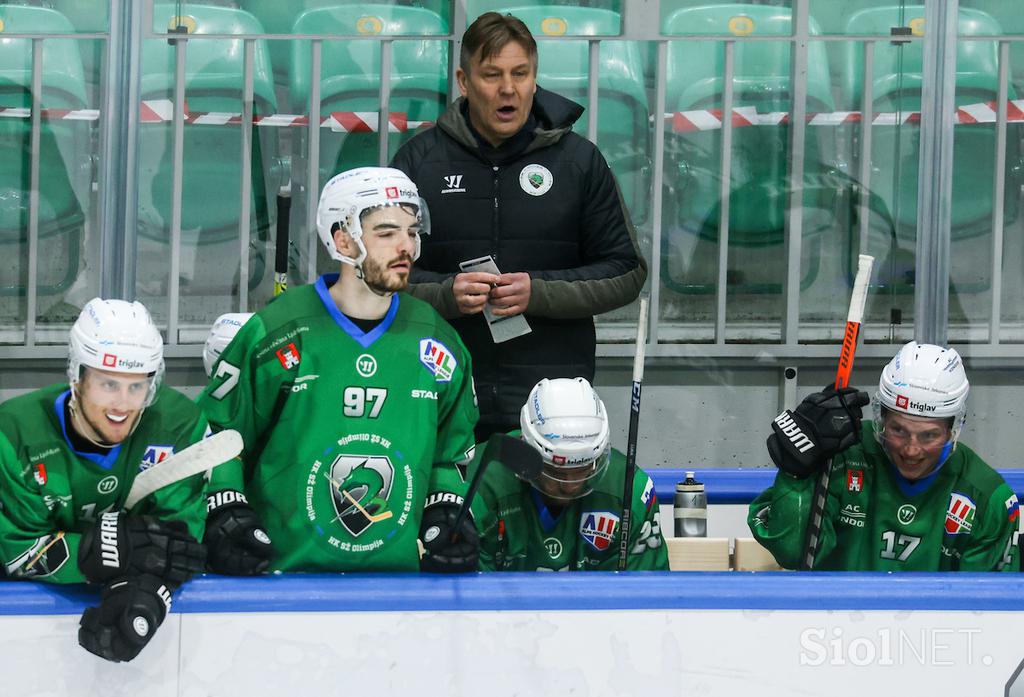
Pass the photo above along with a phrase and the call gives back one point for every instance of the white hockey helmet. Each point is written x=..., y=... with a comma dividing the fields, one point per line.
x=566, y=422
x=221, y=333
x=924, y=380
x=117, y=336
x=347, y=196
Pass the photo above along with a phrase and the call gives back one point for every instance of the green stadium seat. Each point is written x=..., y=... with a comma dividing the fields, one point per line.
x=623, y=133
x=278, y=17
x=65, y=149
x=973, y=146
x=351, y=77
x=759, y=191
x=1011, y=20
x=212, y=153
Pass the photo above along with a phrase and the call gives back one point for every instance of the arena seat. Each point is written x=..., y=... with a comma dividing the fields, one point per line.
x=622, y=114
x=64, y=152
x=351, y=76
x=212, y=164
x=758, y=204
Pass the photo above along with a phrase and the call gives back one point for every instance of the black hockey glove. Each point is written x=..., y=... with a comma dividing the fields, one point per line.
x=442, y=556
x=128, y=615
x=236, y=542
x=120, y=545
x=824, y=424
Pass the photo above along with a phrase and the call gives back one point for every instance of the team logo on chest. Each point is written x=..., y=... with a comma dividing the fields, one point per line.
x=438, y=359
x=154, y=455
x=535, y=179
x=289, y=356
x=855, y=480
x=39, y=473
x=960, y=515
x=598, y=528
x=360, y=486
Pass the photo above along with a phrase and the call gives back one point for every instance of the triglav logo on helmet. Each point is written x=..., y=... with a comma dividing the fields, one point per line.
x=904, y=403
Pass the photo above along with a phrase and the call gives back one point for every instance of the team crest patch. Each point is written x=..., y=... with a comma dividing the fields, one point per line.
x=855, y=480
x=360, y=487
x=959, y=515
x=598, y=528
x=289, y=356
x=154, y=455
x=438, y=359
x=39, y=473
x=535, y=180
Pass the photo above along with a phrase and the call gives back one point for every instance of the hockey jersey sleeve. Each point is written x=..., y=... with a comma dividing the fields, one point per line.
x=778, y=517
x=994, y=544
x=32, y=544
x=239, y=396
x=457, y=417
x=647, y=550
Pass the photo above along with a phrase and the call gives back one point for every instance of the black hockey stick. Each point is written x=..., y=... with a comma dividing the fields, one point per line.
x=812, y=540
x=634, y=426
x=284, y=207
x=518, y=455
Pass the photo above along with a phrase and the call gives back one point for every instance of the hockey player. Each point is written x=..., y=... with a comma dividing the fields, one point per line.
x=355, y=402
x=68, y=456
x=568, y=518
x=222, y=332
x=905, y=494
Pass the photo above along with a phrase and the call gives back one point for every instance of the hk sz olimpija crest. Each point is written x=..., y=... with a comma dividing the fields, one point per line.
x=536, y=180
x=357, y=490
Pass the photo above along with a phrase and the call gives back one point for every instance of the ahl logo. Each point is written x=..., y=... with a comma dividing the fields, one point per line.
x=154, y=455
x=598, y=528
x=438, y=359
x=855, y=480
x=288, y=356
x=960, y=515
x=453, y=184
x=366, y=365
x=109, y=360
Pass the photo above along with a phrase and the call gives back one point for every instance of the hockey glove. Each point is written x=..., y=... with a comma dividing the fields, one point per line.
x=442, y=556
x=824, y=424
x=128, y=615
x=235, y=539
x=121, y=545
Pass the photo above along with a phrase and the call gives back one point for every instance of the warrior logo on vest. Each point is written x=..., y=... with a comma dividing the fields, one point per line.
x=959, y=515
x=536, y=180
x=598, y=528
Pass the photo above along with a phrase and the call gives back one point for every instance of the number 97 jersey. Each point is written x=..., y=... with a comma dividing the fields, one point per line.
x=346, y=432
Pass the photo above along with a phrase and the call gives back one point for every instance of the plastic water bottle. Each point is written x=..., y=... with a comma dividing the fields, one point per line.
x=691, y=508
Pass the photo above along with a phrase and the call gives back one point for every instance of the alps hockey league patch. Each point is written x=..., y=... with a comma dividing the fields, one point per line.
x=154, y=455
x=960, y=515
x=289, y=356
x=438, y=359
x=597, y=528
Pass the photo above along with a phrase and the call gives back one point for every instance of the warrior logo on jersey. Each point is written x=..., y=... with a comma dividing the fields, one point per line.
x=366, y=365
x=598, y=528
x=438, y=359
x=154, y=455
x=855, y=480
x=360, y=486
x=288, y=356
x=39, y=472
x=959, y=515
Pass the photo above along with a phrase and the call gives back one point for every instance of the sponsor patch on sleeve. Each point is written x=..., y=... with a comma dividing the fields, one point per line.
x=438, y=359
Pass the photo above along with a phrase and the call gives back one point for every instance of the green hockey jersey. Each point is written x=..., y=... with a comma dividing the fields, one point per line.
x=519, y=533
x=961, y=517
x=50, y=493
x=346, y=432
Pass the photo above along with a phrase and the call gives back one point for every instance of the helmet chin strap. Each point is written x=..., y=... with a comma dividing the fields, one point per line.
x=362, y=277
x=78, y=421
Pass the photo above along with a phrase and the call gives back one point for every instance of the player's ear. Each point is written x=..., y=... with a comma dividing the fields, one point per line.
x=343, y=242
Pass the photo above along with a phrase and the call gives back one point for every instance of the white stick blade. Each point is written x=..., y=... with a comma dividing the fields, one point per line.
x=860, y=288
x=198, y=457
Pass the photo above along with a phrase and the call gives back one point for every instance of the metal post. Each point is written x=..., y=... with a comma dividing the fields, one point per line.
x=458, y=27
x=795, y=204
x=383, y=119
x=657, y=187
x=867, y=111
x=177, y=174
x=935, y=173
x=246, y=169
x=998, y=194
x=32, y=289
x=593, y=89
x=313, y=158
x=724, y=191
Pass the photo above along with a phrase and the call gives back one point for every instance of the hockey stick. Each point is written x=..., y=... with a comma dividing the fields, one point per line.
x=284, y=207
x=198, y=457
x=373, y=518
x=812, y=540
x=634, y=426
x=518, y=455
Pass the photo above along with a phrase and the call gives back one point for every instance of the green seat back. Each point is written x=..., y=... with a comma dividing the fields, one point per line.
x=213, y=82
x=351, y=77
x=564, y=67
x=278, y=17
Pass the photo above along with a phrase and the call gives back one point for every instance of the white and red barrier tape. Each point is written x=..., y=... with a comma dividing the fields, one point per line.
x=711, y=119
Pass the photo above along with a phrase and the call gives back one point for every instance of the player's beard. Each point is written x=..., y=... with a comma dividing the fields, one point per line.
x=380, y=279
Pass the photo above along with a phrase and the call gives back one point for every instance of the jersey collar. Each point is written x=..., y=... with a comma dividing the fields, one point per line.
x=547, y=520
x=105, y=461
x=362, y=338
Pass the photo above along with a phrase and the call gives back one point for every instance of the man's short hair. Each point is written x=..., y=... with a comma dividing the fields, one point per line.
x=490, y=33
